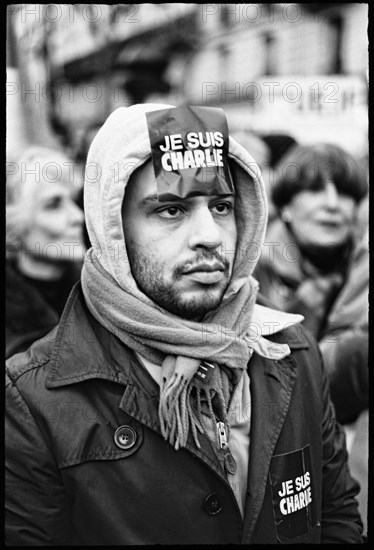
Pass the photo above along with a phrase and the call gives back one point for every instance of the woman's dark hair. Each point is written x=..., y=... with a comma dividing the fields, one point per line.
x=309, y=167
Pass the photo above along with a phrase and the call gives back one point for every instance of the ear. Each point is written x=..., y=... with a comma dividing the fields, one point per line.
x=286, y=215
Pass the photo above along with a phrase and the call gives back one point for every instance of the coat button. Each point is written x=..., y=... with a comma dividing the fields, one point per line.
x=125, y=437
x=212, y=504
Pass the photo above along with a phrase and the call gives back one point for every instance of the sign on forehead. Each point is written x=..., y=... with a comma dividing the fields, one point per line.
x=190, y=152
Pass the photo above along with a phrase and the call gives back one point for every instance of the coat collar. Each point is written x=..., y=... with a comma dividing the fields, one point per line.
x=84, y=349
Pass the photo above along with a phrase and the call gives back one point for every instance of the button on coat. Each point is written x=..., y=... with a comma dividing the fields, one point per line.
x=125, y=437
x=213, y=504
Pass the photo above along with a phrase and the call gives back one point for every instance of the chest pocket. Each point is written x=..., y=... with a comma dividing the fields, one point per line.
x=293, y=496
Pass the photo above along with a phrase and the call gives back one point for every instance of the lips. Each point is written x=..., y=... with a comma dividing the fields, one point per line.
x=205, y=273
x=331, y=223
x=209, y=268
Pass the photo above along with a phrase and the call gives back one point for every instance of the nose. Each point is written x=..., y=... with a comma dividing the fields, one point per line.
x=204, y=230
x=331, y=196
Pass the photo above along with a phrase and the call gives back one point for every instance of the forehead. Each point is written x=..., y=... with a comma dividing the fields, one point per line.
x=143, y=185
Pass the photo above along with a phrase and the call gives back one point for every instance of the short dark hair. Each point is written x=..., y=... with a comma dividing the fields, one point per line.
x=311, y=166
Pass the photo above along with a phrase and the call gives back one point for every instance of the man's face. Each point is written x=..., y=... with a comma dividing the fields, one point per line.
x=181, y=251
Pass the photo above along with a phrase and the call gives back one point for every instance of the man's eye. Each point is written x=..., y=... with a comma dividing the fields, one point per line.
x=223, y=207
x=170, y=212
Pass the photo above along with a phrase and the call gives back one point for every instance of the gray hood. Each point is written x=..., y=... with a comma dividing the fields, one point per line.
x=118, y=149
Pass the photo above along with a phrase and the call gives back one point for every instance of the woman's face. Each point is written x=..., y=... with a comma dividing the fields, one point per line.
x=55, y=225
x=321, y=217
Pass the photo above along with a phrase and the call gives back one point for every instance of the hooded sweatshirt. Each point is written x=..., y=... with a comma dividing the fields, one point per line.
x=119, y=148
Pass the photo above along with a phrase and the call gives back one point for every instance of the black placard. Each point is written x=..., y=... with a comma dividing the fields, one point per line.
x=292, y=493
x=190, y=151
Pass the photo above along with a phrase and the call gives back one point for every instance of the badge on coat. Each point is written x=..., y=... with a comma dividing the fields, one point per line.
x=292, y=494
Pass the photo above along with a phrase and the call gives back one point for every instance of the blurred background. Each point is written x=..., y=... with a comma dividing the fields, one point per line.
x=294, y=69
x=283, y=73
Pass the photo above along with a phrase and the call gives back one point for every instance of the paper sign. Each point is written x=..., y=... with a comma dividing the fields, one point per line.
x=190, y=152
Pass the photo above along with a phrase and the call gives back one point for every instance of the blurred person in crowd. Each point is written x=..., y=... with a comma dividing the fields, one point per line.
x=44, y=244
x=186, y=411
x=305, y=261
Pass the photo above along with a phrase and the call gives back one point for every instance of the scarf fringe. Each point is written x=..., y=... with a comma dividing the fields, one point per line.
x=181, y=412
x=181, y=408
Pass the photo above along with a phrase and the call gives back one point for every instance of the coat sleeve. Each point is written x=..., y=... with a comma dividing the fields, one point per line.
x=341, y=521
x=36, y=505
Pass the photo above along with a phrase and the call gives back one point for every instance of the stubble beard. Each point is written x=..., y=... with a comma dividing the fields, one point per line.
x=150, y=278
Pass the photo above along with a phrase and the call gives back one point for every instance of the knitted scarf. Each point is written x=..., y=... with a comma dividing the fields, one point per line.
x=197, y=359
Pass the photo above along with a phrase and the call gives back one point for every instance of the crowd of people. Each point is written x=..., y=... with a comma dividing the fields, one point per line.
x=145, y=339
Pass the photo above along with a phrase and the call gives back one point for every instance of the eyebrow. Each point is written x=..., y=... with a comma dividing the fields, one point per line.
x=154, y=198
x=150, y=198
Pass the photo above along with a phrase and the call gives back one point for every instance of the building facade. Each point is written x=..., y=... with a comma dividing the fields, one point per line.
x=299, y=69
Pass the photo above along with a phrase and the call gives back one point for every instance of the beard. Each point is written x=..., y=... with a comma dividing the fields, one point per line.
x=151, y=280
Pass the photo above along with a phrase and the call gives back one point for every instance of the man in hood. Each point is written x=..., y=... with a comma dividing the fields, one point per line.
x=168, y=406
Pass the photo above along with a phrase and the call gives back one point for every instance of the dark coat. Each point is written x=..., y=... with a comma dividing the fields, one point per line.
x=73, y=479
x=28, y=316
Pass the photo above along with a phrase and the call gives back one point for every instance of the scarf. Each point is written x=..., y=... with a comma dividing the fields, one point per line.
x=181, y=347
x=199, y=360
x=294, y=262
